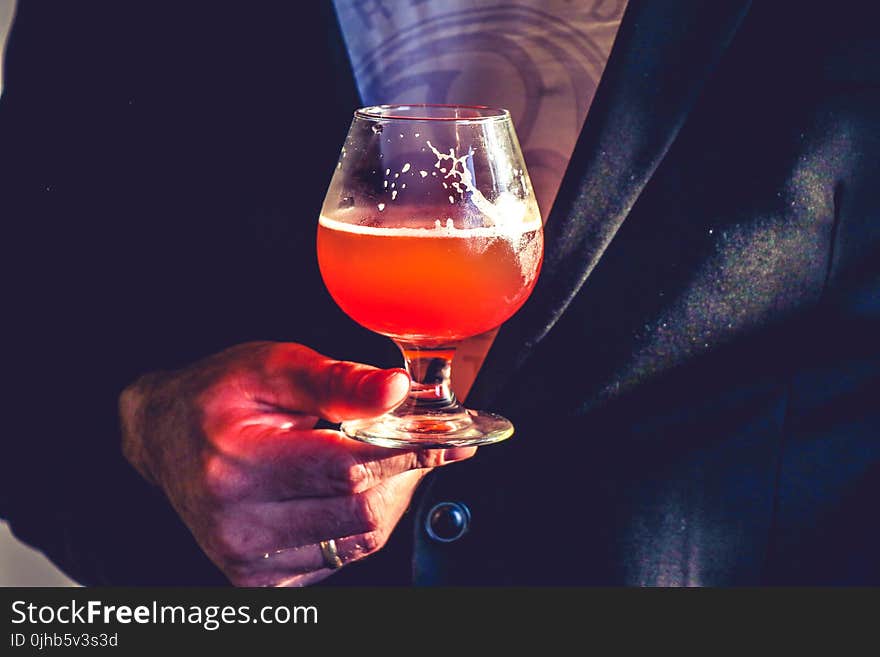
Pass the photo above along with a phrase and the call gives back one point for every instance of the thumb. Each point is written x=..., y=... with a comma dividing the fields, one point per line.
x=301, y=380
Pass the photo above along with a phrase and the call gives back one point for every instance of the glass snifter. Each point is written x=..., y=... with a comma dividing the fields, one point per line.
x=430, y=234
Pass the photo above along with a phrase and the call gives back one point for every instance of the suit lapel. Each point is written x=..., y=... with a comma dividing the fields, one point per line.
x=662, y=56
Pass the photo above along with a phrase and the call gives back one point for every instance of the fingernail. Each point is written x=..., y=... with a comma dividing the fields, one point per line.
x=398, y=385
x=453, y=454
x=392, y=385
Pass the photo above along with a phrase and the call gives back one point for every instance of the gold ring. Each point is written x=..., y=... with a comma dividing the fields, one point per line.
x=330, y=554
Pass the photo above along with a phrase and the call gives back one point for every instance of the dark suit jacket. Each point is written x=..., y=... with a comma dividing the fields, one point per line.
x=694, y=381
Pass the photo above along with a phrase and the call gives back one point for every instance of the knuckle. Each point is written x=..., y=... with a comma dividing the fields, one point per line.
x=227, y=542
x=237, y=543
x=211, y=405
x=366, y=511
x=335, y=377
x=350, y=476
x=372, y=541
x=221, y=482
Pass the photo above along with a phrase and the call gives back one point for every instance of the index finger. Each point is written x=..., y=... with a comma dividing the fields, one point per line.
x=300, y=380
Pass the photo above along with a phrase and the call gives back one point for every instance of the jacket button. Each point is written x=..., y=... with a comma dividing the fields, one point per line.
x=447, y=521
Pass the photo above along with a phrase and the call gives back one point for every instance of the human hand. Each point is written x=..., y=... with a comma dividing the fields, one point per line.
x=231, y=441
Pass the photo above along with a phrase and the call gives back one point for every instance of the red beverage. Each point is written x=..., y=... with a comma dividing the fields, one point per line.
x=436, y=283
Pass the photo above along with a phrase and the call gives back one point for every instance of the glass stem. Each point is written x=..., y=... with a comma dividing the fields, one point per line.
x=430, y=369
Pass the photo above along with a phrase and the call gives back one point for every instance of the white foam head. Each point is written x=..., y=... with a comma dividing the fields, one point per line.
x=441, y=228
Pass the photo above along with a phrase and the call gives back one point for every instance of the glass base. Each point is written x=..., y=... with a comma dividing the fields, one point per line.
x=428, y=430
